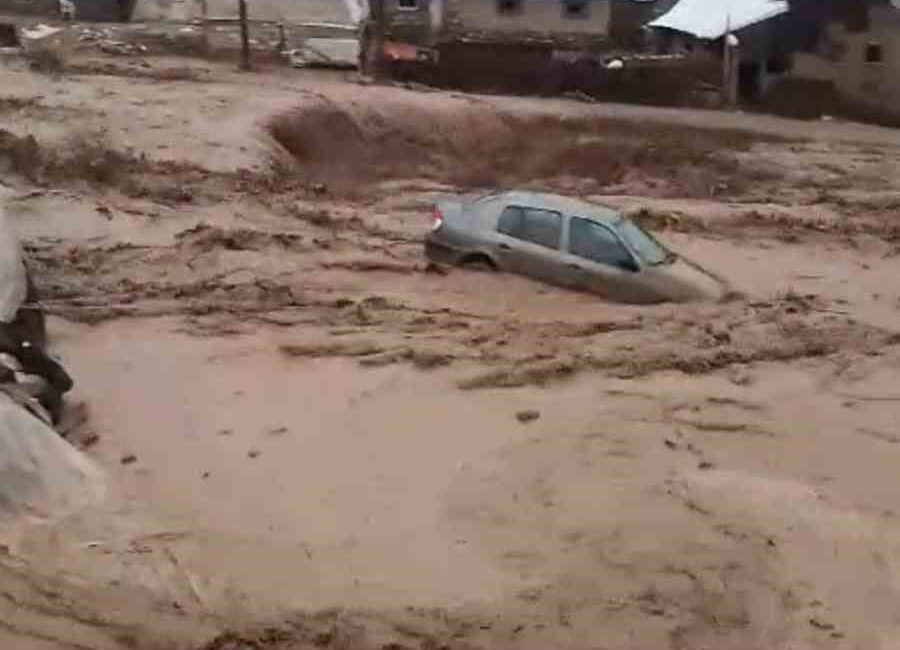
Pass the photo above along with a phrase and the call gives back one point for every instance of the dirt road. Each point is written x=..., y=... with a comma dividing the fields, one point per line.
x=315, y=440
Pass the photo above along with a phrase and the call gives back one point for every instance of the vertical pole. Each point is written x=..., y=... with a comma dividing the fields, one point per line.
x=282, y=38
x=726, y=63
x=204, y=11
x=245, y=35
x=726, y=68
x=734, y=61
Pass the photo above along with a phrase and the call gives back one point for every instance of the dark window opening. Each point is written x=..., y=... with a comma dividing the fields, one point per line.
x=599, y=244
x=506, y=7
x=874, y=53
x=576, y=8
x=408, y=4
x=541, y=227
x=8, y=36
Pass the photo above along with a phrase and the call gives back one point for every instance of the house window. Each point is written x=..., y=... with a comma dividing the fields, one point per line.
x=874, y=53
x=576, y=8
x=407, y=5
x=508, y=7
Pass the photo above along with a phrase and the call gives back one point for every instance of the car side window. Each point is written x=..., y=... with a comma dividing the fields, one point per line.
x=597, y=243
x=541, y=227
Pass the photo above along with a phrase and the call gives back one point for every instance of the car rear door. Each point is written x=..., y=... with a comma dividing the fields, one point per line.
x=596, y=260
x=527, y=241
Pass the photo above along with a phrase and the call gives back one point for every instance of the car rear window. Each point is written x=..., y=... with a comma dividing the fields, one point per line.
x=541, y=227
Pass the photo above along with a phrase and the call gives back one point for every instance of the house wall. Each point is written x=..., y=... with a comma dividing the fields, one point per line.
x=29, y=7
x=165, y=11
x=543, y=16
x=840, y=57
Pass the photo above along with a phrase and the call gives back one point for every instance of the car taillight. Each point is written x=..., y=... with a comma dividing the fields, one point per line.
x=437, y=218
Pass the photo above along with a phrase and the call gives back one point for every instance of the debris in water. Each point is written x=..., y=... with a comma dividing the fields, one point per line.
x=89, y=441
x=528, y=415
x=820, y=625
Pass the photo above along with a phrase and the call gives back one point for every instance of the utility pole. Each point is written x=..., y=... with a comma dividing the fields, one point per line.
x=732, y=71
x=245, y=35
x=731, y=61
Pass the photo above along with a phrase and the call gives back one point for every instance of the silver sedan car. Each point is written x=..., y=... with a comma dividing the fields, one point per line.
x=566, y=242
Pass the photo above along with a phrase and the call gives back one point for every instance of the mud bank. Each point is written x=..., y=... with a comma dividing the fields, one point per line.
x=481, y=147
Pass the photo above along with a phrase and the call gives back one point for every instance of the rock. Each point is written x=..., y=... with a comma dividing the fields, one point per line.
x=820, y=624
x=720, y=335
x=528, y=415
x=740, y=376
x=88, y=440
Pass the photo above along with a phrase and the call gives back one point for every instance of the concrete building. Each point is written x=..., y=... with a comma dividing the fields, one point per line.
x=757, y=29
x=861, y=59
x=504, y=17
x=590, y=23
x=291, y=11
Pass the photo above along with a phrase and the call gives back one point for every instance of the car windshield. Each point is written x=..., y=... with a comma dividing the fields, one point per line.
x=647, y=248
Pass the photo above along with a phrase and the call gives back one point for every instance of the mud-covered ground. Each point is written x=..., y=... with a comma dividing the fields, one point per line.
x=316, y=440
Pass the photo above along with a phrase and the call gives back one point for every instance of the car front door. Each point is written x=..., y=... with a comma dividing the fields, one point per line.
x=596, y=260
x=527, y=242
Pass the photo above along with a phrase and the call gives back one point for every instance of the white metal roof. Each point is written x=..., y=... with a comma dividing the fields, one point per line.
x=713, y=18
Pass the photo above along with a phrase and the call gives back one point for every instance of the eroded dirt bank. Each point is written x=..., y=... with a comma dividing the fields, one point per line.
x=327, y=443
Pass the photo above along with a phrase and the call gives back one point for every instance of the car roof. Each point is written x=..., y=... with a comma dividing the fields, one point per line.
x=557, y=203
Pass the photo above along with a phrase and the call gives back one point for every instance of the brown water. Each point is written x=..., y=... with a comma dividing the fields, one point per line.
x=374, y=487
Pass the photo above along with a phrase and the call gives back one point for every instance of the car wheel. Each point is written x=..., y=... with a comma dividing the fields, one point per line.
x=478, y=262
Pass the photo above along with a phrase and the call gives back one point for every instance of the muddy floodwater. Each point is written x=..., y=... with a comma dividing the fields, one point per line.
x=313, y=439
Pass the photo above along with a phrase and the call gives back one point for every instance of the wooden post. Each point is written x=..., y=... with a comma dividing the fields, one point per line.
x=245, y=35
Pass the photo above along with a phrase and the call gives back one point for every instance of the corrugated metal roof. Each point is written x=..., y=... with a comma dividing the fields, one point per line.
x=714, y=18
